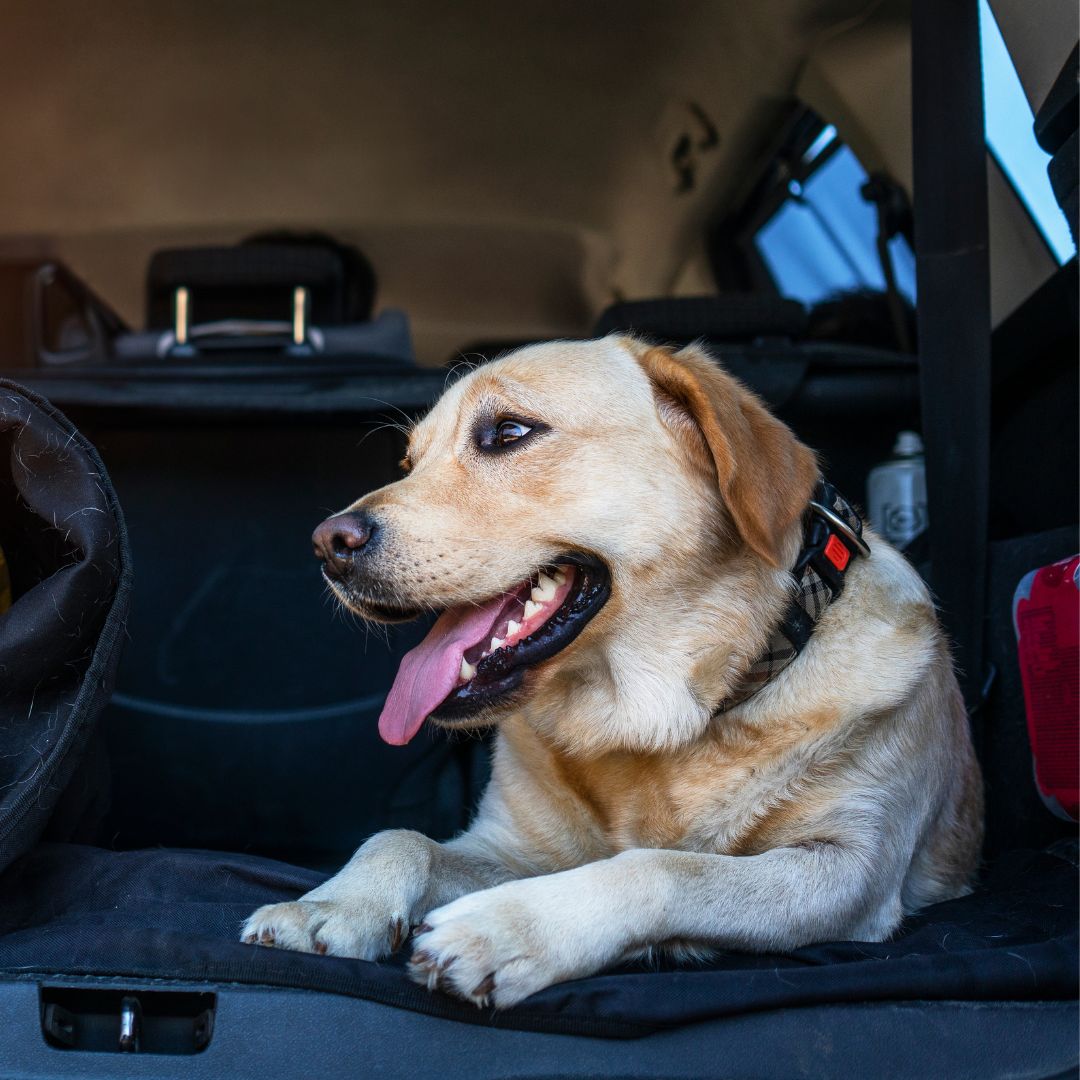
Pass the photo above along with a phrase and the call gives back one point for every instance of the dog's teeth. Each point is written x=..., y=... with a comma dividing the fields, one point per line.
x=512, y=628
x=497, y=643
x=531, y=609
x=560, y=577
x=545, y=590
x=467, y=669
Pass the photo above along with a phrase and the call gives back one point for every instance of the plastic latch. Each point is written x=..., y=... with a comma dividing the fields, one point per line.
x=837, y=553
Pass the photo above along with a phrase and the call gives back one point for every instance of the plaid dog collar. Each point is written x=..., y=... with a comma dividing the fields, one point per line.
x=832, y=537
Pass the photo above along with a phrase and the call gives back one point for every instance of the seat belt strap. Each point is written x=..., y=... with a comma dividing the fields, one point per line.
x=953, y=311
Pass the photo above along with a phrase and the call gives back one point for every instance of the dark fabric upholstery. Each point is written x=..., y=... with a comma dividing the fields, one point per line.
x=731, y=317
x=177, y=915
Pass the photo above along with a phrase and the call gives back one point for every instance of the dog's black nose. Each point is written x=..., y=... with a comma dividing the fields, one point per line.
x=339, y=538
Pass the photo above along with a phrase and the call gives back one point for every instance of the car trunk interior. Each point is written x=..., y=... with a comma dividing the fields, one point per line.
x=510, y=172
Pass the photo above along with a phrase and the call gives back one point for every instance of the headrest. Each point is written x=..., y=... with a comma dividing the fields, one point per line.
x=732, y=317
x=255, y=280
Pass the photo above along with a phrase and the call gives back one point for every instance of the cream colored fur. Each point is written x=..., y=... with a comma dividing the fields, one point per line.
x=621, y=814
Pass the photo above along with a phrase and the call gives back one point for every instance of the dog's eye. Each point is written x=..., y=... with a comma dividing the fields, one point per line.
x=506, y=433
x=509, y=431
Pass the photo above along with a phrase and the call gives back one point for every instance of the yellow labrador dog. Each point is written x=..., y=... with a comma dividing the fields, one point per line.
x=609, y=531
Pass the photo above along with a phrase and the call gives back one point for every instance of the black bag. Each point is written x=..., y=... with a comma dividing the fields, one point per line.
x=64, y=543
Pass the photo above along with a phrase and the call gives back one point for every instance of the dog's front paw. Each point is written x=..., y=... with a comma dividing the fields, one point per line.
x=327, y=927
x=494, y=947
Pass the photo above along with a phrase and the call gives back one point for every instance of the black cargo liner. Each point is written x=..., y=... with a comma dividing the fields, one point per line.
x=75, y=910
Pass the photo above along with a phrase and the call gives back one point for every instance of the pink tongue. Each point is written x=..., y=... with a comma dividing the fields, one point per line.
x=430, y=671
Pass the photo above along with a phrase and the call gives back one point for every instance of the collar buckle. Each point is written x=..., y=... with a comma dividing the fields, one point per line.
x=828, y=547
x=843, y=529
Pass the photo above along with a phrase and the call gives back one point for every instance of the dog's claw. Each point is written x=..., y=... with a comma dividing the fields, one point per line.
x=399, y=932
x=483, y=990
x=266, y=937
x=429, y=968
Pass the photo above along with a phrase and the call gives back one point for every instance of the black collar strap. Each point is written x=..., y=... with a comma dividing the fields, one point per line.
x=832, y=537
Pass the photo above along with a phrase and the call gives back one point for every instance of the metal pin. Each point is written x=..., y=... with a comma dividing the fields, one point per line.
x=180, y=315
x=130, y=1023
x=299, y=315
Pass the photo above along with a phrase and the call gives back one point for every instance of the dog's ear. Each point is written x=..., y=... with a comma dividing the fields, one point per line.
x=766, y=476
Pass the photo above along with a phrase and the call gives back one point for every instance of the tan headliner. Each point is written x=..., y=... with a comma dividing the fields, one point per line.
x=505, y=165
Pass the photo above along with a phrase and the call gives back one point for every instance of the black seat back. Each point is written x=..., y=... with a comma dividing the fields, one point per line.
x=846, y=401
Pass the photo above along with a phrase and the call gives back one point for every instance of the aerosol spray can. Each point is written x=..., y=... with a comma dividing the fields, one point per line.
x=896, y=492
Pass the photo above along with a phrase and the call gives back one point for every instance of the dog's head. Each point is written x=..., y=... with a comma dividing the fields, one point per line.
x=578, y=512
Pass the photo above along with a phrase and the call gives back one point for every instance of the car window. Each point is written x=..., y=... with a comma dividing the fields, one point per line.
x=1010, y=137
x=822, y=238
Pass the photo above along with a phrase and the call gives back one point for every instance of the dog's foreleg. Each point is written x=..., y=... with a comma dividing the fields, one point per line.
x=505, y=943
x=366, y=910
